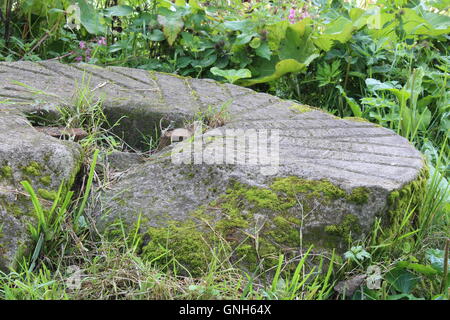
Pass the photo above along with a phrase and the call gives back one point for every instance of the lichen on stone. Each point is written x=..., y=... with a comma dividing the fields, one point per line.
x=356, y=119
x=300, y=108
x=360, y=119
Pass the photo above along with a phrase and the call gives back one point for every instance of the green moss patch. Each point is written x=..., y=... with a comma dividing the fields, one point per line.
x=258, y=224
x=320, y=189
x=6, y=172
x=46, y=181
x=179, y=244
x=409, y=197
x=359, y=195
x=348, y=227
x=47, y=194
x=33, y=169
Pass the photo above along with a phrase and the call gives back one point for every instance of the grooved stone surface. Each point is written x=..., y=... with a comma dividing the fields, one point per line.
x=313, y=145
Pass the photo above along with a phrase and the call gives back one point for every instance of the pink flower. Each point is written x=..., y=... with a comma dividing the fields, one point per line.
x=292, y=15
x=79, y=58
x=82, y=44
x=102, y=41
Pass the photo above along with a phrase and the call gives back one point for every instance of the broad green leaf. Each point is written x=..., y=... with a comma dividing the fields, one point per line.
x=232, y=75
x=374, y=85
x=338, y=30
x=165, y=4
x=90, y=18
x=401, y=94
x=403, y=296
x=275, y=33
x=183, y=62
x=388, y=23
x=144, y=20
x=402, y=280
x=358, y=17
x=244, y=38
x=172, y=26
x=242, y=25
x=422, y=120
x=205, y=62
x=301, y=27
x=263, y=51
x=374, y=18
x=423, y=269
x=431, y=24
x=425, y=101
x=436, y=258
x=297, y=44
x=440, y=23
x=118, y=11
x=240, y=56
x=281, y=68
x=156, y=35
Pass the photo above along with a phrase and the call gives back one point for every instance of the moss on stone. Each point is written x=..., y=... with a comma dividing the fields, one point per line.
x=300, y=108
x=47, y=194
x=46, y=180
x=359, y=119
x=20, y=207
x=179, y=244
x=286, y=230
x=348, y=227
x=318, y=189
x=356, y=119
x=359, y=195
x=15, y=209
x=6, y=172
x=263, y=198
x=255, y=237
x=33, y=169
x=258, y=223
x=409, y=197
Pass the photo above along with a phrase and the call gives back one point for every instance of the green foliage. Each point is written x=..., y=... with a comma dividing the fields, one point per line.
x=231, y=75
x=357, y=254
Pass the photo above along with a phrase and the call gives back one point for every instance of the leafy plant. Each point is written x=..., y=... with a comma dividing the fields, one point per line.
x=357, y=254
x=231, y=75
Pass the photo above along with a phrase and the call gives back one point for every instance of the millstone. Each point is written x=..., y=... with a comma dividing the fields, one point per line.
x=333, y=177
